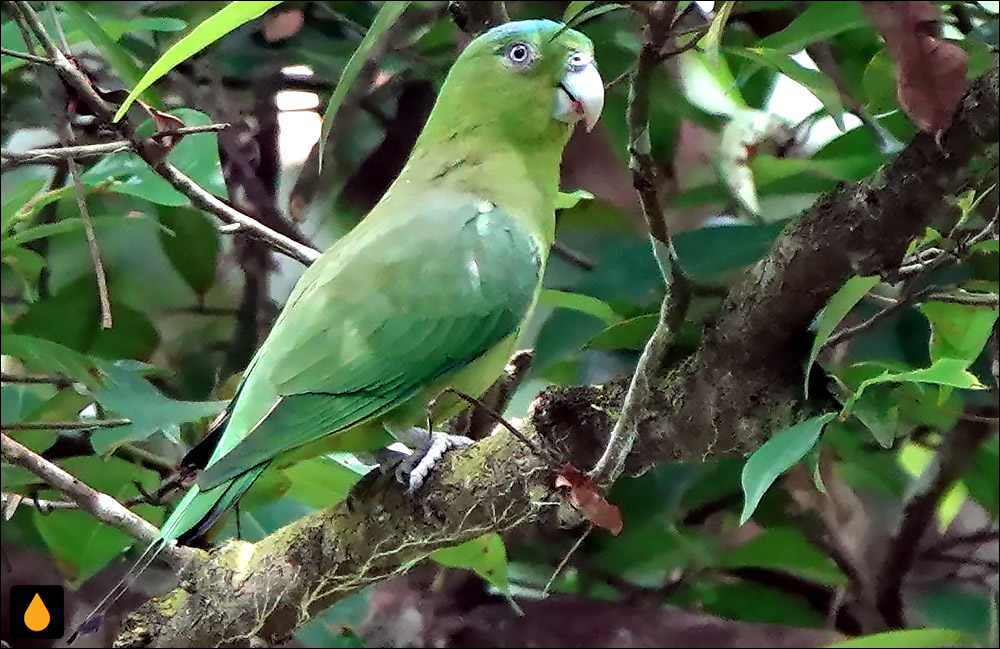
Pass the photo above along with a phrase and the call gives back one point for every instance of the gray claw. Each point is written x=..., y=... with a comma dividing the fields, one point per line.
x=413, y=471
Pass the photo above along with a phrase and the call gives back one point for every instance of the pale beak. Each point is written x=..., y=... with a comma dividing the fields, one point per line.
x=580, y=94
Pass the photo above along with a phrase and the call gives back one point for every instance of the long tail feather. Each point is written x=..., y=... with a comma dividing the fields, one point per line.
x=192, y=517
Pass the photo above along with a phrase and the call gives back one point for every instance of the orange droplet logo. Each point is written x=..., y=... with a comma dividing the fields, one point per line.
x=36, y=616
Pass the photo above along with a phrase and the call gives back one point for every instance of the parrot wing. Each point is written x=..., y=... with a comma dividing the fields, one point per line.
x=400, y=309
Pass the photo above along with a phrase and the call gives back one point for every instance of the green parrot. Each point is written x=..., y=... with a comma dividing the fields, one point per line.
x=429, y=292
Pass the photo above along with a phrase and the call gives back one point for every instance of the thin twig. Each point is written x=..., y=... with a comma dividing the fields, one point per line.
x=58, y=381
x=573, y=257
x=104, y=148
x=100, y=505
x=565, y=559
x=152, y=155
x=852, y=331
x=31, y=58
x=9, y=502
x=499, y=418
x=83, y=424
x=678, y=293
x=971, y=299
x=145, y=459
x=68, y=138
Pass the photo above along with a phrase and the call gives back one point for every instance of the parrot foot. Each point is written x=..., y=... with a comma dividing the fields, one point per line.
x=413, y=470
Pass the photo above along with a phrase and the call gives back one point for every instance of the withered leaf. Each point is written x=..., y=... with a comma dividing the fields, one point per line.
x=583, y=493
x=930, y=72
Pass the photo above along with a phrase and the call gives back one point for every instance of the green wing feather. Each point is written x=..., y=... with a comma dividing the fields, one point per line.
x=371, y=329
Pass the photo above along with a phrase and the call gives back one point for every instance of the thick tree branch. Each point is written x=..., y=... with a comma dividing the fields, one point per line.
x=744, y=383
x=100, y=505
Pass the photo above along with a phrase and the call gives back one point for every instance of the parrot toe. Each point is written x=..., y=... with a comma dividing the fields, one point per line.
x=413, y=471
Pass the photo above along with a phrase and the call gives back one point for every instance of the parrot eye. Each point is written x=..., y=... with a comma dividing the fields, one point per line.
x=578, y=61
x=520, y=54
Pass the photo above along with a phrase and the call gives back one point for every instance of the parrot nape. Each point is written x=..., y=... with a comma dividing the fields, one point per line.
x=428, y=292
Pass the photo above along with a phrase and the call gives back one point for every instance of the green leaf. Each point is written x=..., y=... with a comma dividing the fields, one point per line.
x=628, y=334
x=131, y=396
x=912, y=638
x=575, y=8
x=915, y=459
x=322, y=481
x=708, y=253
x=192, y=245
x=485, y=556
x=946, y=371
x=566, y=200
x=814, y=80
x=384, y=19
x=83, y=544
x=787, y=550
x=48, y=357
x=116, y=55
x=29, y=264
x=59, y=227
x=817, y=22
x=958, y=331
x=583, y=16
x=15, y=199
x=777, y=455
x=836, y=310
x=579, y=302
x=115, y=29
x=210, y=30
x=983, y=478
x=710, y=43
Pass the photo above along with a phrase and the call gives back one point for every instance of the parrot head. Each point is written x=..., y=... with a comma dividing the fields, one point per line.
x=532, y=76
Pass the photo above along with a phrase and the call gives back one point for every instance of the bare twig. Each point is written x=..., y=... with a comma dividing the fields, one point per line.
x=31, y=58
x=82, y=424
x=151, y=152
x=852, y=331
x=927, y=260
x=971, y=299
x=95, y=150
x=468, y=398
x=675, y=303
x=145, y=459
x=100, y=505
x=566, y=558
x=58, y=381
x=9, y=502
x=68, y=138
x=573, y=257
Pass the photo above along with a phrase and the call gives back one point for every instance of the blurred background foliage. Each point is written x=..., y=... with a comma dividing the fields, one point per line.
x=785, y=101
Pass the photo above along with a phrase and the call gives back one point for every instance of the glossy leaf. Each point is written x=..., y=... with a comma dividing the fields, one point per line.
x=777, y=455
x=485, y=556
x=842, y=302
x=130, y=396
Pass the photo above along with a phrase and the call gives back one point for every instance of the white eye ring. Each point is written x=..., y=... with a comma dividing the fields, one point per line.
x=520, y=54
x=578, y=61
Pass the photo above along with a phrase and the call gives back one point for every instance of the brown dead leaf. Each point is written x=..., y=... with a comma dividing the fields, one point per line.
x=930, y=72
x=584, y=495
